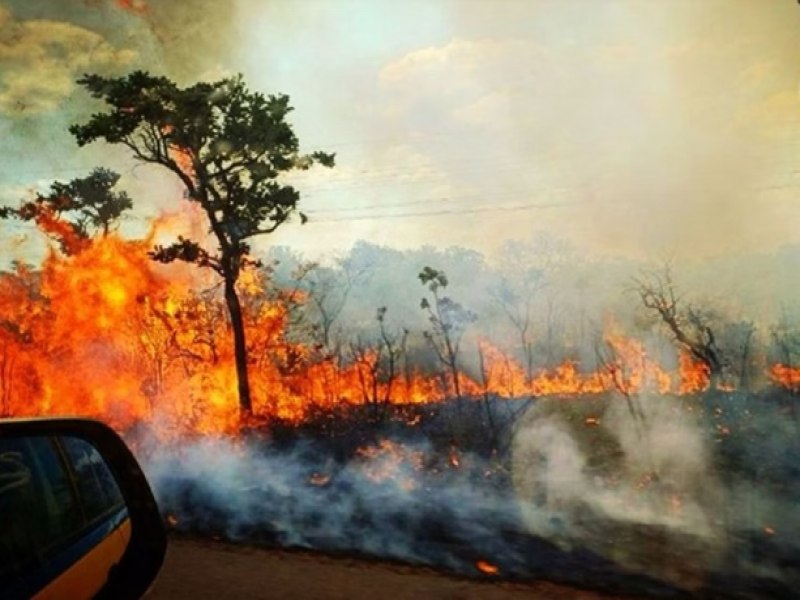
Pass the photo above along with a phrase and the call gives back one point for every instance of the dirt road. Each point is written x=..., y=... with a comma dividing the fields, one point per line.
x=199, y=569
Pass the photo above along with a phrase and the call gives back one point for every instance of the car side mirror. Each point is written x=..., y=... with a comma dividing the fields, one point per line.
x=77, y=516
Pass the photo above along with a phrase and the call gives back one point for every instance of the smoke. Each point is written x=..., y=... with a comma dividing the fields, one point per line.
x=193, y=39
x=639, y=471
x=647, y=501
x=644, y=483
x=185, y=40
x=659, y=129
x=374, y=503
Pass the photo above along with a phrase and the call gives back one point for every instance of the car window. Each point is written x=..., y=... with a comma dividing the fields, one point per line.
x=96, y=486
x=38, y=507
x=52, y=492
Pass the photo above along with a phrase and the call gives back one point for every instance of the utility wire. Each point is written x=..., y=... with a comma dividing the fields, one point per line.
x=480, y=209
x=461, y=198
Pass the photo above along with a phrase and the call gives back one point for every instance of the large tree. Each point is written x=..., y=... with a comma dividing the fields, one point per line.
x=229, y=147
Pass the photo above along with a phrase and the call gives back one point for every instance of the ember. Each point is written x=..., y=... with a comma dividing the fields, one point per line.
x=487, y=567
x=319, y=479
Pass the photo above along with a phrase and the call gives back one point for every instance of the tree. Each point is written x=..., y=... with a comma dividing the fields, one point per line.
x=328, y=291
x=74, y=212
x=448, y=321
x=739, y=342
x=377, y=363
x=515, y=295
x=785, y=335
x=692, y=327
x=228, y=146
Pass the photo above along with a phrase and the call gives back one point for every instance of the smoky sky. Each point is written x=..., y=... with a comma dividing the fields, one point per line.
x=637, y=129
x=184, y=39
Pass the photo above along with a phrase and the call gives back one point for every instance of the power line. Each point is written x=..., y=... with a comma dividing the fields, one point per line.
x=378, y=206
x=430, y=200
x=480, y=209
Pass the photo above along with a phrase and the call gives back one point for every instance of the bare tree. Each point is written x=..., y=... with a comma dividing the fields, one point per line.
x=448, y=321
x=738, y=340
x=378, y=364
x=487, y=403
x=612, y=364
x=328, y=290
x=690, y=326
x=785, y=336
x=515, y=296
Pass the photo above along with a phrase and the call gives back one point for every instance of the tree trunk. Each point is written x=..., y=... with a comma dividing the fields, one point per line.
x=239, y=346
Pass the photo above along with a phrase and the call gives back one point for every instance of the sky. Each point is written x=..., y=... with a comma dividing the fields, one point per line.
x=639, y=129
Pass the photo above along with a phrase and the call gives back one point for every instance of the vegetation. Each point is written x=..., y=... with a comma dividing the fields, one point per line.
x=74, y=212
x=228, y=146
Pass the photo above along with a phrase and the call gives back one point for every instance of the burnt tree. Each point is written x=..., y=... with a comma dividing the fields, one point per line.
x=448, y=321
x=328, y=290
x=515, y=296
x=378, y=363
x=690, y=326
x=229, y=147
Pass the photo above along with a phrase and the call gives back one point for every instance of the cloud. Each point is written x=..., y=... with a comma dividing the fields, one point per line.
x=461, y=71
x=40, y=60
x=462, y=56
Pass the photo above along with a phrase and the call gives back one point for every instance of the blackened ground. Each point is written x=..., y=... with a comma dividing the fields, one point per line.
x=311, y=487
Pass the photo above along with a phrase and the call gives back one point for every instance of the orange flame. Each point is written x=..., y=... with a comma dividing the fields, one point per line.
x=694, y=375
x=788, y=377
x=386, y=462
x=106, y=332
x=48, y=221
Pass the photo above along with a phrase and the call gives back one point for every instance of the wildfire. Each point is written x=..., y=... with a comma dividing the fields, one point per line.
x=102, y=331
x=455, y=461
x=48, y=222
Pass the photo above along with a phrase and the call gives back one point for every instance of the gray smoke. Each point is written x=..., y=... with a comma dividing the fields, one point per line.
x=652, y=504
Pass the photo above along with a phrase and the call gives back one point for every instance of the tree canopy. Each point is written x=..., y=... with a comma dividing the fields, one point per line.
x=227, y=145
x=88, y=206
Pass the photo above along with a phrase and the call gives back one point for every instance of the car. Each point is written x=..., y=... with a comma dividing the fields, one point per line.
x=78, y=517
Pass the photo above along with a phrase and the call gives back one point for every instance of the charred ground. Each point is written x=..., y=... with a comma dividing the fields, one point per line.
x=409, y=488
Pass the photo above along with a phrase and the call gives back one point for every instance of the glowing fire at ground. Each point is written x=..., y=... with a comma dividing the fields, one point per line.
x=487, y=567
x=788, y=377
x=389, y=461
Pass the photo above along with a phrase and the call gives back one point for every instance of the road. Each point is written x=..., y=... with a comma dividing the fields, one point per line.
x=200, y=569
